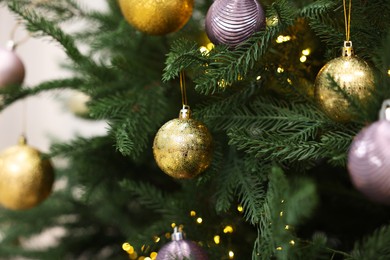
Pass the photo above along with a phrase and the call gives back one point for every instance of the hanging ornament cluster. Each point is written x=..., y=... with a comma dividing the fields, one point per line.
x=11, y=67
x=157, y=17
x=25, y=178
x=181, y=249
x=345, y=75
x=369, y=159
x=231, y=22
x=183, y=146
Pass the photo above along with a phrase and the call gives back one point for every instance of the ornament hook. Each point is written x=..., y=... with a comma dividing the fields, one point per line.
x=12, y=43
x=177, y=234
x=384, y=113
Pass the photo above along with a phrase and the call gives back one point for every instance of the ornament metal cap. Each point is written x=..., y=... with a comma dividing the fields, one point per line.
x=22, y=140
x=185, y=112
x=177, y=235
x=384, y=113
x=347, y=49
x=11, y=45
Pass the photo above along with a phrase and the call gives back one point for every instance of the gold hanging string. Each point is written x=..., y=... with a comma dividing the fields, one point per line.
x=183, y=89
x=347, y=19
x=24, y=117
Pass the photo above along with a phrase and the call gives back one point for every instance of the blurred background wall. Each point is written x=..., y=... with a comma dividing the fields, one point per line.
x=47, y=116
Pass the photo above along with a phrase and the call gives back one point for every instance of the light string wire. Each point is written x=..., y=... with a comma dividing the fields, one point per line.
x=347, y=19
x=183, y=89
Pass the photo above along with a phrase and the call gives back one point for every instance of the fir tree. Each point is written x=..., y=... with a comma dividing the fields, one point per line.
x=277, y=155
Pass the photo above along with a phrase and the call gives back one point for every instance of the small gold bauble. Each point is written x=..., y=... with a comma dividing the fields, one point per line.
x=353, y=76
x=77, y=104
x=157, y=17
x=25, y=179
x=183, y=148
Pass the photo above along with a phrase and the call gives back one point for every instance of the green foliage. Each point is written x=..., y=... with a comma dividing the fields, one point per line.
x=276, y=152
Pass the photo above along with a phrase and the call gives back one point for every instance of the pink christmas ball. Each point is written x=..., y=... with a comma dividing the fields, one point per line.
x=181, y=250
x=11, y=68
x=234, y=21
x=369, y=161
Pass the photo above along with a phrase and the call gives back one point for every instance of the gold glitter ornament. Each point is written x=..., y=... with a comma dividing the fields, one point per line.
x=25, y=179
x=182, y=147
x=157, y=17
x=352, y=75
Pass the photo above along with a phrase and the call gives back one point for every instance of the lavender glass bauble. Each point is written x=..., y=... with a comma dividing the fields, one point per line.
x=233, y=21
x=11, y=68
x=181, y=250
x=369, y=161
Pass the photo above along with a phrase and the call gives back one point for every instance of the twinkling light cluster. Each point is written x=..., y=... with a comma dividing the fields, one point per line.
x=283, y=38
x=305, y=53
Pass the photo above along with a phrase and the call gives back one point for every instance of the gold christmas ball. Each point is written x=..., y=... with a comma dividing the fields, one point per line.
x=25, y=179
x=77, y=104
x=353, y=76
x=183, y=148
x=157, y=17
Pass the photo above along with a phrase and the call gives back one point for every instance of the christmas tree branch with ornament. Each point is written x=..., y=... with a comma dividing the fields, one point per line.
x=236, y=129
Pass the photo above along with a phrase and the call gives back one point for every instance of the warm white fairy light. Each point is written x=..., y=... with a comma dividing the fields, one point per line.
x=280, y=70
x=199, y=220
x=306, y=52
x=303, y=59
x=283, y=38
x=258, y=78
x=231, y=254
x=193, y=213
x=287, y=227
x=292, y=242
x=153, y=255
x=240, y=208
x=279, y=248
x=228, y=229
x=217, y=239
x=388, y=72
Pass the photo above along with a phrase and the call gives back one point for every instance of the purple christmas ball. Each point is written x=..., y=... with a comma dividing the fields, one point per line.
x=181, y=249
x=11, y=68
x=369, y=161
x=234, y=21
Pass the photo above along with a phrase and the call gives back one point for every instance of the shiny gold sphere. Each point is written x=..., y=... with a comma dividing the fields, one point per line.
x=354, y=76
x=157, y=17
x=183, y=148
x=25, y=179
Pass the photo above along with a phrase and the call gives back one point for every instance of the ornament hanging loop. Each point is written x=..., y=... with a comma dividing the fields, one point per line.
x=12, y=43
x=347, y=19
x=384, y=113
x=185, y=112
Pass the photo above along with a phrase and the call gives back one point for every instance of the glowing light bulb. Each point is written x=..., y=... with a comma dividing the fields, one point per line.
x=258, y=78
x=281, y=213
x=292, y=242
x=287, y=227
x=240, y=208
x=303, y=58
x=128, y=248
x=156, y=239
x=306, y=52
x=280, y=70
x=388, y=72
x=153, y=255
x=228, y=229
x=217, y=239
x=203, y=50
x=279, y=248
x=282, y=38
x=231, y=254
x=173, y=225
x=192, y=213
x=199, y=220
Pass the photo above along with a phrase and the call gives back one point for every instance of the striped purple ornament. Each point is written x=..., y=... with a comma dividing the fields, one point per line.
x=369, y=161
x=181, y=249
x=231, y=22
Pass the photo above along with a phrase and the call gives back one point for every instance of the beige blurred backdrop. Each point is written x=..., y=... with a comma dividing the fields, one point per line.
x=47, y=116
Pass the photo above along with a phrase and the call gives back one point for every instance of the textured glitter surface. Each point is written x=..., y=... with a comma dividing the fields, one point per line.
x=368, y=161
x=11, y=68
x=233, y=21
x=181, y=250
x=183, y=148
x=157, y=17
x=25, y=179
x=353, y=75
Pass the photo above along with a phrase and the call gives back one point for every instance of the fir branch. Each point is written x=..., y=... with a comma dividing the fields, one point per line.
x=375, y=246
x=72, y=83
x=41, y=27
